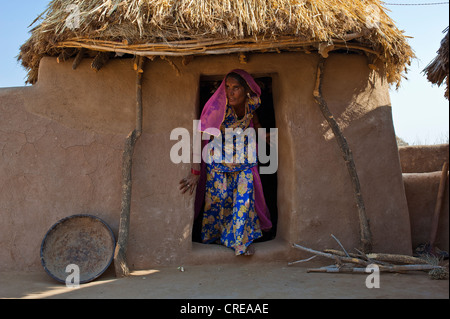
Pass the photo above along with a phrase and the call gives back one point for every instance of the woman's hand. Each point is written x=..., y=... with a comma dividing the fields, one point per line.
x=189, y=183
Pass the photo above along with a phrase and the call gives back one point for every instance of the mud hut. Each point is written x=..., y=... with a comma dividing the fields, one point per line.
x=437, y=71
x=325, y=68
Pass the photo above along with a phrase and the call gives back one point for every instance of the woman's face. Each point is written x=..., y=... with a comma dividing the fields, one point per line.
x=236, y=94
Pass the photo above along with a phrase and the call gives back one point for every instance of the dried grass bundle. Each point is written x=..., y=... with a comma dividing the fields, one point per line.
x=188, y=27
x=437, y=71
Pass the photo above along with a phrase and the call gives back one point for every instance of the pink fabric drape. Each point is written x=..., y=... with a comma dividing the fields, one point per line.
x=214, y=111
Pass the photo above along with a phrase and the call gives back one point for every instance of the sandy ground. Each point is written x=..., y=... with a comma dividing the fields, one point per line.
x=221, y=282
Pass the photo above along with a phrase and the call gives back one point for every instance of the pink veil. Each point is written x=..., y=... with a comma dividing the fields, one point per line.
x=214, y=111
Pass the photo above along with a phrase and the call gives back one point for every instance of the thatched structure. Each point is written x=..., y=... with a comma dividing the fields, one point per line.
x=185, y=27
x=437, y=71
x=325, y=68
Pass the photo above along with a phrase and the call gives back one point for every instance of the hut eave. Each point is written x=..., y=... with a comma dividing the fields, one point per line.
x=180, y=28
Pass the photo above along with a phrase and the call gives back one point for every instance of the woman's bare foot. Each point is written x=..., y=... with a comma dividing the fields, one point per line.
x=250, y=251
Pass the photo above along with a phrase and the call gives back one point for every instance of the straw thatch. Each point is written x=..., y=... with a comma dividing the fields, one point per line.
x=198, y=27
x=437, y=71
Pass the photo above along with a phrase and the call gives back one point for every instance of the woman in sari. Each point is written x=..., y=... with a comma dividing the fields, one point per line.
x=235, y=212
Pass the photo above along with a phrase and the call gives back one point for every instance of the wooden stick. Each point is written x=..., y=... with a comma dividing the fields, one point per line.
x=207, y=46
x=361, y=255
x=344, y=263
x=438, y=207
x=120, y=253
x=396, y=268
x=402, y=268
x=338, y=269
x=140, y=71
x=340, y=253
x=365, y=233
x=100, y=60
x=61, y=57
x=78, y=58
x=334, y=269
x=332, y=256
x=302, y=261
x=392, y=258
x=65, y=54
x=339, y=243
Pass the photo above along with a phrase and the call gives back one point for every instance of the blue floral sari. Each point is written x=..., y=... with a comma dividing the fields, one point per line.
x=229, y=215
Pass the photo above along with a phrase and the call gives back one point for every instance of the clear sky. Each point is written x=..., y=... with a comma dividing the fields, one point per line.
x=420, y=111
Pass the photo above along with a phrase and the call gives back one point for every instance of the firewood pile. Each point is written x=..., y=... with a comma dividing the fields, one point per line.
x=360, y=262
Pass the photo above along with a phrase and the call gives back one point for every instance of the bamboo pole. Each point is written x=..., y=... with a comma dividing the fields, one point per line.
x=365, y=233
x=120, y=253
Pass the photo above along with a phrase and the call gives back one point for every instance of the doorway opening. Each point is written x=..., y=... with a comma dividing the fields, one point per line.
x=266, y=114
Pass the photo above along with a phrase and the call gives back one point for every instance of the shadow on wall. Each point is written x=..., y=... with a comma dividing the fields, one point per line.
x=422, y=171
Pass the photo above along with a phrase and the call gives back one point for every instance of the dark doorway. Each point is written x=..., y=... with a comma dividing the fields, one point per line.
x=266, y=115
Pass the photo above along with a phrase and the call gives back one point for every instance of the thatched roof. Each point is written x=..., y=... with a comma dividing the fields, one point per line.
x=437, y=71
x=198, y=27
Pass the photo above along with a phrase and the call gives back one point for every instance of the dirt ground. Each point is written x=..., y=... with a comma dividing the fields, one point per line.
x=240, y=281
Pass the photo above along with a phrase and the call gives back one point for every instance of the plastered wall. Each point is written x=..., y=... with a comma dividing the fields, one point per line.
x=61, y=144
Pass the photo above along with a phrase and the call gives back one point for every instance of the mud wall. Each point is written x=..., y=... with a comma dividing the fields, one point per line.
x=61, y=143
x=422, y=171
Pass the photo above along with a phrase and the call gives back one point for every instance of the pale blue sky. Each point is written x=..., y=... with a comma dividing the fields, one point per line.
x=420, y=112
